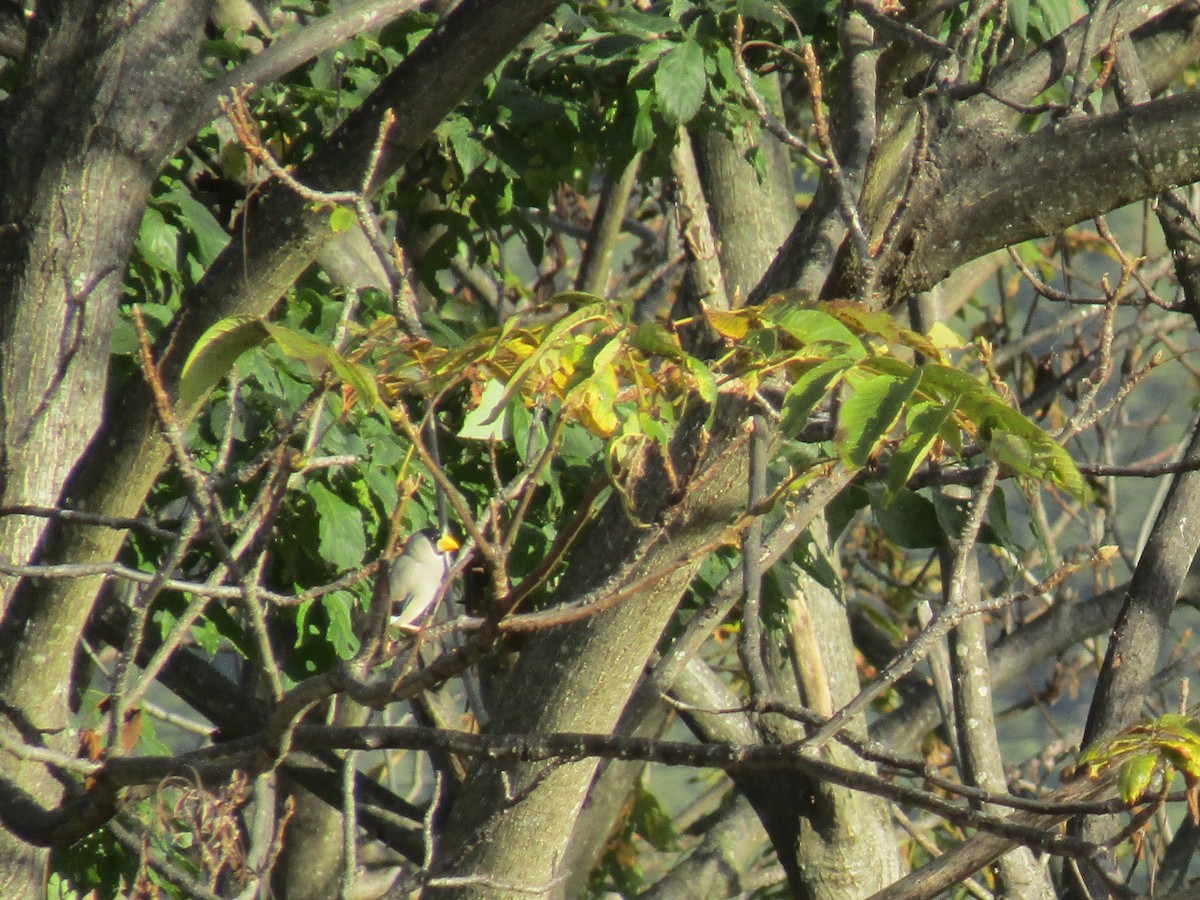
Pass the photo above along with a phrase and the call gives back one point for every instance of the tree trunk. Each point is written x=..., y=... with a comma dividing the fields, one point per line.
x=87, y=131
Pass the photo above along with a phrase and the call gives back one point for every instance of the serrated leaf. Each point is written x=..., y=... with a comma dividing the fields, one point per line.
x=341, y=541
x=341, y=629
x=808, y=390
x=680, y=81
x=869, y=414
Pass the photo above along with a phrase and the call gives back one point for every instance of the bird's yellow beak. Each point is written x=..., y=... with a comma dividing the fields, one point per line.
x=447, y=544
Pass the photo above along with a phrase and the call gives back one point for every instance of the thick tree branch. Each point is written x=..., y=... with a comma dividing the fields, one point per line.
x=293, y=49
x=988, y=190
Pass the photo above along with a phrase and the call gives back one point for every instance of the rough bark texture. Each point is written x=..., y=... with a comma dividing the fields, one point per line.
x=751, y=213
x=81, y=151
x=579, y=678
x=846, y=843
x=989, y=188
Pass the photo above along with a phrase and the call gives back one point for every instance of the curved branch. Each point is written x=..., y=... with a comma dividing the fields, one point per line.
x=990, y=190
x=293, y=49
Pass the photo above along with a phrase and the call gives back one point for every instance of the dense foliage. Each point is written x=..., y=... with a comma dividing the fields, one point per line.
x=774, y=364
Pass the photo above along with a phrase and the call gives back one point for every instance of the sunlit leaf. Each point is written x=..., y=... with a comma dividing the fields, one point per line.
x=808, y=390
x=653, y=338
x=922, y=429
x=215, y=354
x=870, y=412
x=680, y=81
x=729, y=325
x=319, y=356
x=706, y=385
x=811, y=326
x=341, y=635
x=1133, y=778
x=490, y=419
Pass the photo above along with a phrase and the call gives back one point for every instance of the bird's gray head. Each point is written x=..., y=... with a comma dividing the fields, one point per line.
x=429, y=544
x=417, y=575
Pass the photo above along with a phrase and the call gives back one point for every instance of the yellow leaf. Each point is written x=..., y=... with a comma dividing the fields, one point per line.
x=727, y=324
x=945, y=338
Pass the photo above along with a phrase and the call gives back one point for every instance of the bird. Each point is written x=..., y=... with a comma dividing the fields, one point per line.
x=417, y=575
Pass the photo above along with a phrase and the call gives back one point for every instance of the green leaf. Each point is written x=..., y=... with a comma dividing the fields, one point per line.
x=157, y=242
x=924, y=423
x=468, y=152
x=1018, y=17
x=1134, y=776
x=761, y=10
x=812, y=326
x=1187, y=727
x=155, y=316
x=997, y=521
x=810, y=557
x=300, y=346
x=680, y=81
x=870, y=412
x=1057, y=15
x=1010, y=437
x=341, y=541
x=210, y=237
x=550, y=341
x=528, y=434
x=706, y=385
x=908, y=519
x=653, y=822
x=490, y=420
x=952, y=515
x=341, y=218
x=643, y=123
x=654, y=339
x=844, y=507
x=214, y=355
x=809, y=389
x=341, y=630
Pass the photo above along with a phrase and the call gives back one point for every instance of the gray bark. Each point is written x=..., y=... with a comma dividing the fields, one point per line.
x=81, y=151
